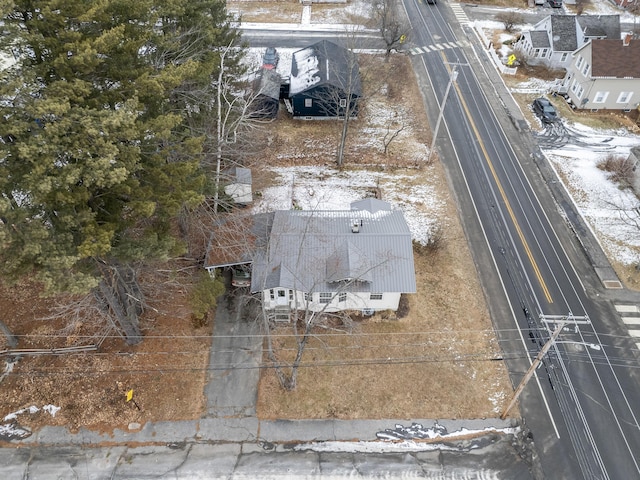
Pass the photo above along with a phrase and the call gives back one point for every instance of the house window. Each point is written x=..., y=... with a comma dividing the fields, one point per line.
x=375, y=296
x=564, y=56
x=272, y=294
x=308, y=102
x=579, y=62
x=536, y=52
x=291, y=295
x=585, y=69
x=281, y=293
x=544, y=52
x=577, y=88
x=624, y=97
x=308, y=297
x=343, y=102
x=342, y=297
x=325, y=297
x=600, y=97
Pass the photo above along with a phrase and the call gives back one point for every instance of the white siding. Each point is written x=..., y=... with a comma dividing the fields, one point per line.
x=282, y=297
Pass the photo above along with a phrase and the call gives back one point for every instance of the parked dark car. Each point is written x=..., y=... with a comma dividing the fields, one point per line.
x=543, y=108
x=240, y=278
x=431, y=2
x=270, y=58
x=555, y=3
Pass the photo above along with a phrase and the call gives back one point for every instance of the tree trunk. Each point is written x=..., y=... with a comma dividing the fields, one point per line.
x=120, y=292
x=343, y=138
x=12, y=340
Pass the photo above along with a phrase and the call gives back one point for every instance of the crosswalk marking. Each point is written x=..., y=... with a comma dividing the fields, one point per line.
x=627, y=309
x=631, y=320
x=634, y=333
x=458, y=12
x=437, y=47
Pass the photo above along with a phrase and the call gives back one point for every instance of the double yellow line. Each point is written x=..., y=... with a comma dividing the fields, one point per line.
x=525, y=245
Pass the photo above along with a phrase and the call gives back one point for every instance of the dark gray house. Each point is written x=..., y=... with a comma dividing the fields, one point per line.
x=324, y=82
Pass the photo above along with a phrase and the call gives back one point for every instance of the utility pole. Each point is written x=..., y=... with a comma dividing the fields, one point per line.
x=545, y=348
x=452, y=78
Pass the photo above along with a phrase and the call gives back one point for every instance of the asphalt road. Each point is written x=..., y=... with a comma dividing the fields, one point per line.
x=582, y=407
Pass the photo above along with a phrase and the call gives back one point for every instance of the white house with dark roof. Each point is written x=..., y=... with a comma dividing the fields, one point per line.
x=556, y=37
x=334, y=260
x=604, y=74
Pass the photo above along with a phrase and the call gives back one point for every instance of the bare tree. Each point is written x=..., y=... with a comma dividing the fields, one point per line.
x=510, y=19
x=395, y=127
x=393, y=29
x=581, y=5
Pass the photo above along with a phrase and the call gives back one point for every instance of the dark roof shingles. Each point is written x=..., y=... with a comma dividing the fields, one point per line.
x=611, y=58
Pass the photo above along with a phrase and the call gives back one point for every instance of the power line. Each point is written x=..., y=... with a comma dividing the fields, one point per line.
x=380, y=361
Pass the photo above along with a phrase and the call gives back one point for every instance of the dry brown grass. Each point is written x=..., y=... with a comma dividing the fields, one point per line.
x=271, y=11
x=166, y=371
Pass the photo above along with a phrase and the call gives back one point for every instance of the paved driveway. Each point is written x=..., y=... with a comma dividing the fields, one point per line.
x=232, y=378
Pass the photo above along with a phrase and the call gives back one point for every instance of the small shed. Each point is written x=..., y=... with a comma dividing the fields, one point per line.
x=239, y=186
x=267, y=100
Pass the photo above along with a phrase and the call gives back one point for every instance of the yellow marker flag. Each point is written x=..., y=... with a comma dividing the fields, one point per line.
x=130, y=395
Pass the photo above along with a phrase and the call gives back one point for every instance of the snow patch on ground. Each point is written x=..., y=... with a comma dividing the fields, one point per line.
x=325, y=188
x=51, y=409
x=402, y=446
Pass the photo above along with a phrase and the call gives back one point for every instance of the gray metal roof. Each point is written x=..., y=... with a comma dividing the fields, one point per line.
x=240, y=175
x=370, y=204
x=318, y=251
x=269, y=85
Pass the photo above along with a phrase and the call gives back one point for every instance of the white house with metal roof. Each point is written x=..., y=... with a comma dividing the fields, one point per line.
x=334, y=260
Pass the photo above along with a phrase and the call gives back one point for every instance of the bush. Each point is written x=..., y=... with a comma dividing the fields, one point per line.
x=621, y=170
x=403, y=307
x=433, y=245
x=204, y=297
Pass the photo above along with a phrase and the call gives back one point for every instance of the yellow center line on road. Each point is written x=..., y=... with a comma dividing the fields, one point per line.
x=525, y=245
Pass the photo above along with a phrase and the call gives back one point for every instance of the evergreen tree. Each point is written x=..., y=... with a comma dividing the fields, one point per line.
x=97, y=151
